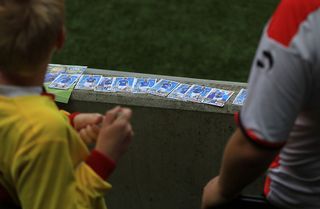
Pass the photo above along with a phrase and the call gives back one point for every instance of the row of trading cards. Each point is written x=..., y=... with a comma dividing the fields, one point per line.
x=63, y=76
x=162, y=87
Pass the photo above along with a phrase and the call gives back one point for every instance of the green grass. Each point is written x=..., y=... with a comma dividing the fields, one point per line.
x=212, y=39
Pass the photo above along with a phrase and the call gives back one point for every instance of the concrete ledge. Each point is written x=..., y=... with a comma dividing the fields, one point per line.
x=147, y=100
x=177, y=146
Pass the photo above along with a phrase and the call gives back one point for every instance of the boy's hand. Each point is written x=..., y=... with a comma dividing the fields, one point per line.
x=88, y=126
x=115, y=134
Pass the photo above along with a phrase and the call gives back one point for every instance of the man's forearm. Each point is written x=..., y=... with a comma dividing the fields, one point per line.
x=242, y=163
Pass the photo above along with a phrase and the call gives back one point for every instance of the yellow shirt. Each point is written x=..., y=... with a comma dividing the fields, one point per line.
x=42, y=157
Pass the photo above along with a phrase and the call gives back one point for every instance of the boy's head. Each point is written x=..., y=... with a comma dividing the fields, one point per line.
x=29, y=31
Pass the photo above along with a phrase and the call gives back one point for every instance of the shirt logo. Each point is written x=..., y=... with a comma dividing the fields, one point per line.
x=266, y=62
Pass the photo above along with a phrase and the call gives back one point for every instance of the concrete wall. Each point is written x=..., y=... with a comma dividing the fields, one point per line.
x=177, y=146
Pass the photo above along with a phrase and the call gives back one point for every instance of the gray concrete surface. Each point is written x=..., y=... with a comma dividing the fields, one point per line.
x=177, y=146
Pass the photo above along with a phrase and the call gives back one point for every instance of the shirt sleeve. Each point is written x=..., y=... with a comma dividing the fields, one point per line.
x=47, y=177
x=70, y=116
x=279, y=85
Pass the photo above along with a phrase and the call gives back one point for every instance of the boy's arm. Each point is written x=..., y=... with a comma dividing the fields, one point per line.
x=48, y=172
x=46, y=177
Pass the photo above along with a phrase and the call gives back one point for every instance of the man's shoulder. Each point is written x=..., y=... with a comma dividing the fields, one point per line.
x=289, y=15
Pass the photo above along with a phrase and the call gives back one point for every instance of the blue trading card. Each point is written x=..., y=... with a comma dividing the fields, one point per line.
x=241, y=97
x=88, y=82
x=217, y=97
x=179, y=92
x=75, y=69
x=64, y=81
x=196, y=93
x=142, y=85
x=53, y=71
x=163, y=87
x=56, y=68
x=49, y=77
x=105, y=84
x=123, y=84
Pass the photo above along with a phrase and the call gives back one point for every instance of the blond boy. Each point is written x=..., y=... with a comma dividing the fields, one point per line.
x=44, y=162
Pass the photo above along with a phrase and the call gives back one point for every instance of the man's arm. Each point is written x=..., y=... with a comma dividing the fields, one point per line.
x=242, y=163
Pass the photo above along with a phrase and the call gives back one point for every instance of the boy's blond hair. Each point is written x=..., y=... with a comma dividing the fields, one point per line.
x=28, y=30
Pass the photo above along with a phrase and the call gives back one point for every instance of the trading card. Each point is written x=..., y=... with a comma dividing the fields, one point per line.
x=163, y=87
x=49, y=77
x=64, y=81
x=241, y=97
x=105, y=84
x=179, y=92
x=50, y=65
x=217, y=97
x=75, y=69
x=88, y=82
x=123, y=84
x=142, y=85
x=53, y=71
x=196, y=93
x=56, y=68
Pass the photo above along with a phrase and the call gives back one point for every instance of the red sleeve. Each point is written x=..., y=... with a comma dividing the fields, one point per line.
x=101, y=164
x=72, y=116
x=287, y=18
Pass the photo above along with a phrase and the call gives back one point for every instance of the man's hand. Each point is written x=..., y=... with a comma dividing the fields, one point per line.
x=212, y=196
x=242, y=163
x=115, y=134
x=88, y=126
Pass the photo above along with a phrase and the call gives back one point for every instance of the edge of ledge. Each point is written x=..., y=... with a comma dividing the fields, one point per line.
x=147, y=100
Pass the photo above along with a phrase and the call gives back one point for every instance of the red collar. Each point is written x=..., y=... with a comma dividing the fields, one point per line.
x=45, y=93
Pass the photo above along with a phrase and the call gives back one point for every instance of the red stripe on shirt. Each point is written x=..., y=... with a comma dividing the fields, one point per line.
x=250, y=134
x=263, y=142
x=288, y=17
x=267, y=183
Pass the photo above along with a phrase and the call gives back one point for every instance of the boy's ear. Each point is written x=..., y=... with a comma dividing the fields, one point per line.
x=61, y=38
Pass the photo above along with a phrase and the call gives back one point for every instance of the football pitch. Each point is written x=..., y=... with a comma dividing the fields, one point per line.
x=211, y=39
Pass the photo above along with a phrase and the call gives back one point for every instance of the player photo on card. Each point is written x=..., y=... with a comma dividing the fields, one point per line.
x=88, y=82
x=123, y=84
x=142, y=85
x=217, y=97
x=64, y=81
x=163, y=87
x=196, y=93
x=179, y=92
x=241, y=97
x=105, y=84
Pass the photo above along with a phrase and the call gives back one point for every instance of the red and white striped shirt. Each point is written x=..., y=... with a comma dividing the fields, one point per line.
x=282, y=109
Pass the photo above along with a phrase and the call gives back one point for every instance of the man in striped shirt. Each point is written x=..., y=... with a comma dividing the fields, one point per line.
x=279, y=123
